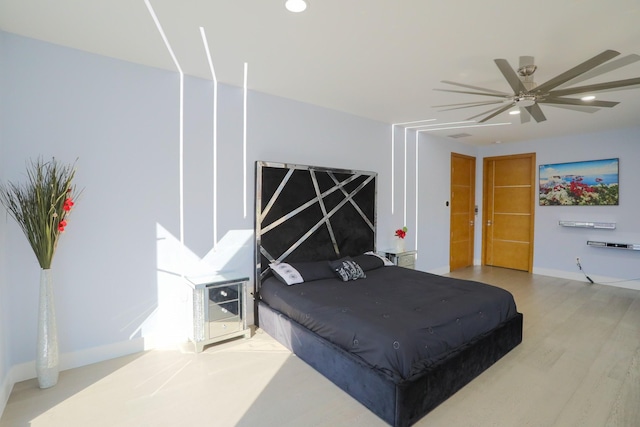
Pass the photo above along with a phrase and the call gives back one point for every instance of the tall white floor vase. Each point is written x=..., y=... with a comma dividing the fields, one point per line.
x=47, y=356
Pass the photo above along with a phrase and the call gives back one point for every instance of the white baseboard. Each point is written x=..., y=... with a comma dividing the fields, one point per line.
x=100, y=353
x=5, y=392
x=580, y=277
x=440, y=270
x=27, y=370
x=600, y=280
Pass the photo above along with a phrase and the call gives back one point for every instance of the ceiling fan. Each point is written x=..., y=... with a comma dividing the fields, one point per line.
x=528, y=95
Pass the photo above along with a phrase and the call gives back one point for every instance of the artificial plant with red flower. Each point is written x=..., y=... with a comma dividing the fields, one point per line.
x=41, y=205
x=68, y=204
x=401, y=232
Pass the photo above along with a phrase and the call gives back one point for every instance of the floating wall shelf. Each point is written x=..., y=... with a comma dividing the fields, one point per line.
x=610, y=245
x=585, y=224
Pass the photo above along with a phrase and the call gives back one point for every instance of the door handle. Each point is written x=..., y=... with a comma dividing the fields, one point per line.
x=488, y=223
x=470, y=223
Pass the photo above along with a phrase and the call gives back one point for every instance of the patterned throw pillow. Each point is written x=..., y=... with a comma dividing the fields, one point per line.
x=347, y=269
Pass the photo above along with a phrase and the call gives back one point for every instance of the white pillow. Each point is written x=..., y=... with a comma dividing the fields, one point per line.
x=384, y=259
x=287, y=274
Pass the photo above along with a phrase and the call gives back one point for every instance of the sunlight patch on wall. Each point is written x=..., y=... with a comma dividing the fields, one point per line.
x=170, y=322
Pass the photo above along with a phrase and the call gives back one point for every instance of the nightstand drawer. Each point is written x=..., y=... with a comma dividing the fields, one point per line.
x=224, y=293
x=223, y=310
x=407, y=261
x=224, y=327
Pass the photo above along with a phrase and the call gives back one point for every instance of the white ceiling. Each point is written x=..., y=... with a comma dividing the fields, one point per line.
x=379, y=59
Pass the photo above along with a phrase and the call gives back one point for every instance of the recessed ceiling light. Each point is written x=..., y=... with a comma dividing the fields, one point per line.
x=514, y=112
x=295, y=6
x=588, y=98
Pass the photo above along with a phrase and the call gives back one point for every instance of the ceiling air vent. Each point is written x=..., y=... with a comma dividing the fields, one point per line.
x=459, y=135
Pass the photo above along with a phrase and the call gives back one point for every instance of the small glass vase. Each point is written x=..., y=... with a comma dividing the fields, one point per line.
x=399, y=245
x=47, y=348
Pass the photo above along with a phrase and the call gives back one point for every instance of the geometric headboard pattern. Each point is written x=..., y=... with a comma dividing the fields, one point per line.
x=310, y=213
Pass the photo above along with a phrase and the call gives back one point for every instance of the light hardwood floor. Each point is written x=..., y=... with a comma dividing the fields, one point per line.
x=578, y=365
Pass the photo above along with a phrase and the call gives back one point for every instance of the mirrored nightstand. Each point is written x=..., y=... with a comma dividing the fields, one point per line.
x=219, y=308
x=406, y=259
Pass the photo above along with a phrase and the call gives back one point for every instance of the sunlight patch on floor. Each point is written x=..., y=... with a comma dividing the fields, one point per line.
x=156, y=380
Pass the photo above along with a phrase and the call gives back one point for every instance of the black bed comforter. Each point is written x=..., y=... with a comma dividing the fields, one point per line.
x=398, y=320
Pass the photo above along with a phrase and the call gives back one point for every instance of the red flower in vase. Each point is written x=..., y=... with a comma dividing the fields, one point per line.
x=401, y=232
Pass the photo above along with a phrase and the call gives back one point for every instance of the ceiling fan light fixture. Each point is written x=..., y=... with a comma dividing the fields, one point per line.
x=525, y=100
x=514, y=112
x=588, y=98
x=295, y=6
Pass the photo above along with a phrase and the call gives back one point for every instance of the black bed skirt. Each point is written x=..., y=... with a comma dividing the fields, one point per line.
x=399, y=404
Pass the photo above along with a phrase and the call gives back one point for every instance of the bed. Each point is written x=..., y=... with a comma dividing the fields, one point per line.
x=399, y=341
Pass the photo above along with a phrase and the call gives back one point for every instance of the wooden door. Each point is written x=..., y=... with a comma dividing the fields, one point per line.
x=462, y=221
x=508, y=211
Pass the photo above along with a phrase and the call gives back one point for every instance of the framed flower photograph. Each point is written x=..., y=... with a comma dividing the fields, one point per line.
x=588, y=183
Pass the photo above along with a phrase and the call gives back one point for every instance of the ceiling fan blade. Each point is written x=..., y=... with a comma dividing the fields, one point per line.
x=476, y=87
x=466, y=105
x=525, y=117
x=536, y=113
x=604, y=68
x=571, y=101
x=579, y=108
x=576, y=71
x=596, y=87
x=511, y=76
x=495, y=113
x=484, y=112
x=471, y=93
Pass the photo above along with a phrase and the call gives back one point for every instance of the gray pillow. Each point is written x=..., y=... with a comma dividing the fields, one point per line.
x=369, y=262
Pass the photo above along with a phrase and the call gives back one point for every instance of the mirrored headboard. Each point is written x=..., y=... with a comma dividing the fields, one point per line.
x=309, y=213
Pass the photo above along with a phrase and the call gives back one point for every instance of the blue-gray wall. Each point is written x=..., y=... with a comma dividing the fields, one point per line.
x=556, y=247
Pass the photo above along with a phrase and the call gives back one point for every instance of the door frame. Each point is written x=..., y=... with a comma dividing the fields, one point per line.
x=486, y=160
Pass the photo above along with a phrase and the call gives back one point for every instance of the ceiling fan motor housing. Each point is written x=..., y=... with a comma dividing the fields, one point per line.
x=527, y=70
